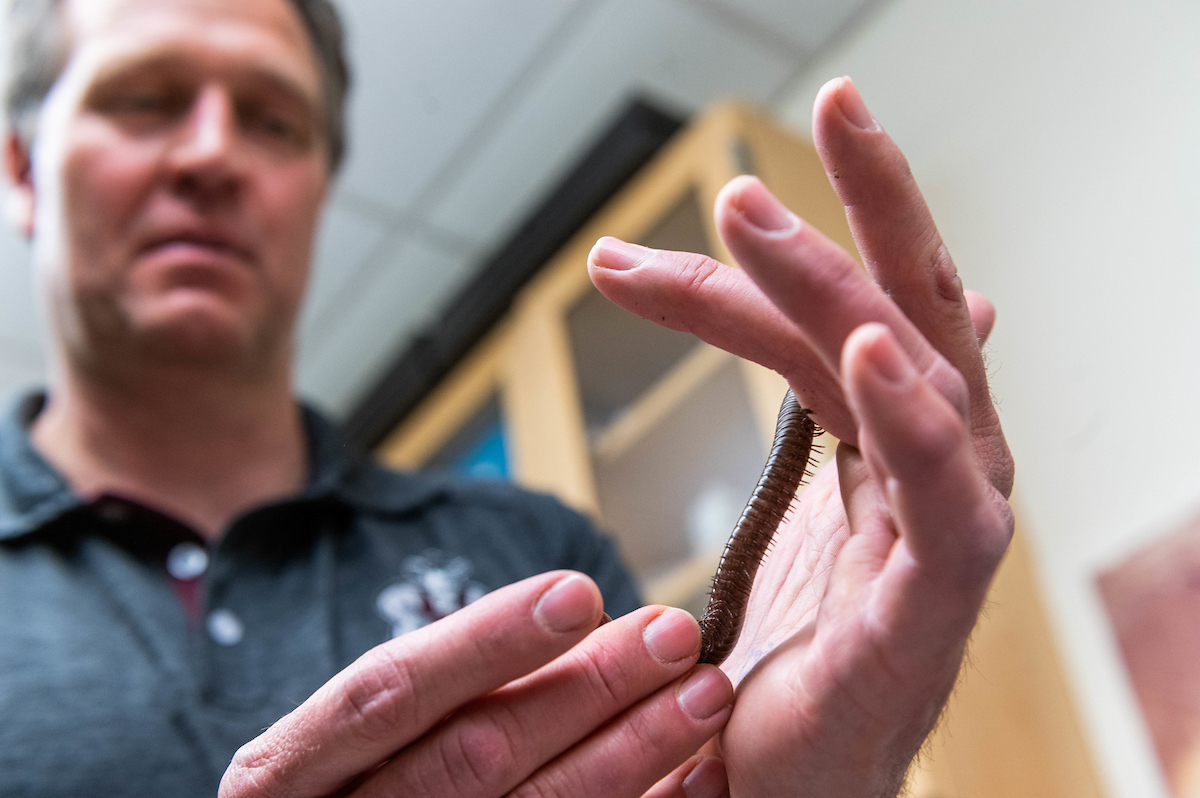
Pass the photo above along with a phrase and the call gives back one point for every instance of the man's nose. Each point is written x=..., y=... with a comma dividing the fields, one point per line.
x=203, y=155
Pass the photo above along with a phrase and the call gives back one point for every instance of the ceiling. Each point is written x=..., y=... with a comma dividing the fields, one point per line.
x=463, y=115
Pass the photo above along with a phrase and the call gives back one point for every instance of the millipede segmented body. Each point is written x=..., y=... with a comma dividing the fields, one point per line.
x=786, y=468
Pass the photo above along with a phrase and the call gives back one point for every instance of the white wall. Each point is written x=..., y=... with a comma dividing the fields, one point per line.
x=1058, y=144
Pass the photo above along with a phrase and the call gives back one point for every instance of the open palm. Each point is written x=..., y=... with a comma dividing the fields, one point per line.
x=861, y=612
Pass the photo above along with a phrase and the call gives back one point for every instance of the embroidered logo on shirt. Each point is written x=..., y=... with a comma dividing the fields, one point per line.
x=433, y=586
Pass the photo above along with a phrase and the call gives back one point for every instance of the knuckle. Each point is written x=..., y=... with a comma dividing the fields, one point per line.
x=481, y=754
x=606, y=677
x=697, y=273
x=380, y=695
x=256, y=770
x=947, y=284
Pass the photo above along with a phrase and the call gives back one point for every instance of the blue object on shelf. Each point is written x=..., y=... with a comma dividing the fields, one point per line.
x=487, y=458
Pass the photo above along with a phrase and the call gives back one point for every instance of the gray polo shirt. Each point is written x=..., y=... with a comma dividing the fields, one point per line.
x=135, y=658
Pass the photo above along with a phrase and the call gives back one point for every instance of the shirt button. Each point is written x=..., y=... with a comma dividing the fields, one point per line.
x=187, y=561
x=225, y=628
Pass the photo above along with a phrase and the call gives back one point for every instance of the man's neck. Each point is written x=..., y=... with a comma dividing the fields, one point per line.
x=199, y=449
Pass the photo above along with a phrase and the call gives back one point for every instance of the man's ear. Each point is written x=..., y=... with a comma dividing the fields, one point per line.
x=18, y=167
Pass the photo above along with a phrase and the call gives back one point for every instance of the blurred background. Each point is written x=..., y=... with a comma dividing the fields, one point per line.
x=1057, y=142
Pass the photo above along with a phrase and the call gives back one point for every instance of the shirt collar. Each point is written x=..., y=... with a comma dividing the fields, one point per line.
x=33, y=493
x=336, y=469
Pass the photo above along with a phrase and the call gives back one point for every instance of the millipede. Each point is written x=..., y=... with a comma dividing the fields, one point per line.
x=787, y=466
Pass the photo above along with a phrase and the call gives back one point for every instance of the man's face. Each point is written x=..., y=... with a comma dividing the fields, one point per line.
x=178, y=173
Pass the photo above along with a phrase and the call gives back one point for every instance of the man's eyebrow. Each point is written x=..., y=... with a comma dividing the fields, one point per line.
x=170, y=63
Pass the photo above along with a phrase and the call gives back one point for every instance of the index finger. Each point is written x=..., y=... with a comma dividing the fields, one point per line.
x=817, y=284
x=398, y=690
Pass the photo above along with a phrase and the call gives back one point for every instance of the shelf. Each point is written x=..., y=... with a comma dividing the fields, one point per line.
x=677, y=468
x=683, y=584
x=618, y=356
x=658, y=402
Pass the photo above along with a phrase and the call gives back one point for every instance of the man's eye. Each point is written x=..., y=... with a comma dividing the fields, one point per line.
x=276, y=127
x=280, y=127
x=142, y=102
x=137, y=103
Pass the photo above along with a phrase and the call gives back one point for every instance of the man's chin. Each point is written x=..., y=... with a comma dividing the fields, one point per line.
x=201, y=339
x=196, y=347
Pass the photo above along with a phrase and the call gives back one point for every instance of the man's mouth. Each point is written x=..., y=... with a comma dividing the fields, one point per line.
x=198, y=245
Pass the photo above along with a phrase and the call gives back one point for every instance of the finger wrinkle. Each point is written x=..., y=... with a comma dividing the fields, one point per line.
x=609, y=688
x=949, y=331
x=480, y=752
x=376, y=703
x=946, y=279
x=993, y=453
x=698, y=273
x=257, y=773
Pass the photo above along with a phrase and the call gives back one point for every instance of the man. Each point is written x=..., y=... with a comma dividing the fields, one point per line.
x=169, y=167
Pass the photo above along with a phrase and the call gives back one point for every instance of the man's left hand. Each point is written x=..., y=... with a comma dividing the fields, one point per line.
x=860, y=615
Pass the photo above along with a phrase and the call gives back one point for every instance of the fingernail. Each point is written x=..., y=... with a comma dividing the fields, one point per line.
x=566, y=606
x=852, y=106
x=613, y=253
x=705, y=693
x=888, y=362
x=707, y=779
x=672, y=636
x=762, y=210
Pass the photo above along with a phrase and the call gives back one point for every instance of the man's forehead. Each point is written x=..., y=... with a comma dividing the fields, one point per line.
x=269, y=29
x=91, y=16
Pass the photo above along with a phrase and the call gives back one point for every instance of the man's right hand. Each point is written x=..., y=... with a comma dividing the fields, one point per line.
x=515, y=693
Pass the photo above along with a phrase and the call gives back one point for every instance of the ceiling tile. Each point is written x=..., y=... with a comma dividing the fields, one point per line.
x=665, y=49
x=808, y=24
x=343, y=243
x=426, y=73
x=397, y=296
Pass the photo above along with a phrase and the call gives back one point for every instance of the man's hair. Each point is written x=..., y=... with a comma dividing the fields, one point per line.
x=39, y=47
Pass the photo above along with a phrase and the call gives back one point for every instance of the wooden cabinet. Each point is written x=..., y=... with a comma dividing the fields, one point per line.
x=617, y=416
x=660, y=438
